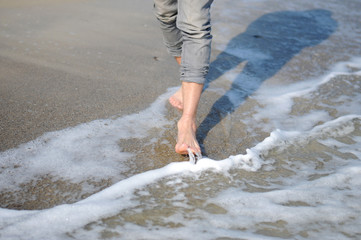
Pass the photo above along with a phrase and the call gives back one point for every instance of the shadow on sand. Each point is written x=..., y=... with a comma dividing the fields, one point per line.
x=266, y=46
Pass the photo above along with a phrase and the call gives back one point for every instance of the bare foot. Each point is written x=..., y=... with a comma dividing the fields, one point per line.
x=187, y=136
x=176, y=100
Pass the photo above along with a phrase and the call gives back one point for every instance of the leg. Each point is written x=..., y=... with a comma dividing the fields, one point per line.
x=176, y=100
x=187, y=124
x=194, y=22
x=166, y=12
x=186, y=30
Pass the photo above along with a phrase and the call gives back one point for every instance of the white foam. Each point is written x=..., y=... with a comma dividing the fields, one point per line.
x=314, y=200
x=63, y=218
x=321, y=204
x=87, y=151
x=69, y=147
x=278, y=102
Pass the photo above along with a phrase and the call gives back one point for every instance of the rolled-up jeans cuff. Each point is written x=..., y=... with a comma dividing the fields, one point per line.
x=174, y=52
x=194, y=80
x=194, y=75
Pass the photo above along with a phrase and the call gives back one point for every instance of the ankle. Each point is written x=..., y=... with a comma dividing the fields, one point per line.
x=187, y=118
x=187, y=122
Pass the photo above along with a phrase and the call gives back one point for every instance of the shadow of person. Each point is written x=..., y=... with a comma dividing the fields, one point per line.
x=266, y=46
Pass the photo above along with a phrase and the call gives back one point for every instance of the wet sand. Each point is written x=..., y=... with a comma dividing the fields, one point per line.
x=68, y=62
x=63, y=63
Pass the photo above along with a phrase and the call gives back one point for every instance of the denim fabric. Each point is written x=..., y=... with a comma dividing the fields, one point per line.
x=186, y=31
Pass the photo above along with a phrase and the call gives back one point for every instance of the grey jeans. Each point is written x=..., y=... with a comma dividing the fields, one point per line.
x=186, y=28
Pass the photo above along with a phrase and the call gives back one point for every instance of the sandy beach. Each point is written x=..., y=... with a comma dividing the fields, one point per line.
x=87, y=135
x=67, y=62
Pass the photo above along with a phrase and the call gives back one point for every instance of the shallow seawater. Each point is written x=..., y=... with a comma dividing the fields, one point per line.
x=279, y=123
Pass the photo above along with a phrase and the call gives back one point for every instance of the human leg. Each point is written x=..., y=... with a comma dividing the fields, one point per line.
x=176, y=100
x=194, y=22
x=186, y=32
x=187, y=123
x=166, y=12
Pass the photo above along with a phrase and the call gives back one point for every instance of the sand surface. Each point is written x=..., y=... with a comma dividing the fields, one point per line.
x=63, y=63
x=67, y=62
x=279, y=120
